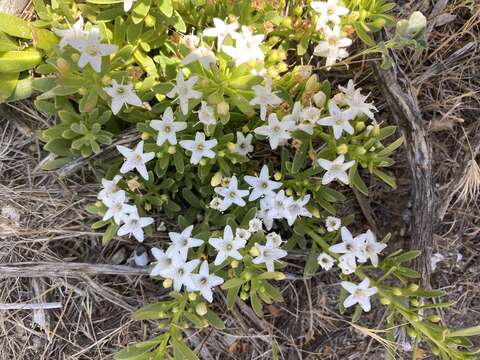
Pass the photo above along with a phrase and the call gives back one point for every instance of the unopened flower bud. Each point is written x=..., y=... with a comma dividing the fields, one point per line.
x=203, y=162
x=434, y=318
x=234, y=264
x=312, y=85
x=359, y=126
x=243, y=295
x=397, y=291
x=411, y=332
x=302, y=73
x=287, y=22
x=192, y=296
x=254, y=251
x=247, y=275
x=145, y=135
x=375, y=130
x=360, y=150
x=150, y=21
x=201, y=309
x=385, y=301
x=279, y=276
x=223, y=108
x=277, y=176
x=414, y=302
x=82, y=91
x=167, y=283
x=172, y=150
x=342, y=149
x=319, y=99
x=413, y=287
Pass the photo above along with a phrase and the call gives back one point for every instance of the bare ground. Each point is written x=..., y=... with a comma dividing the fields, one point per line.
x=94, y=321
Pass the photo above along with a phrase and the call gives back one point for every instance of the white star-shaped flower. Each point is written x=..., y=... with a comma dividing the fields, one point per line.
x=242, y=234
x=109, y=188
x=227, y=246
x=265, y=97
x=183, y=241
x=220, y=30
x=339, y=120
x=184, y=91
x=204, y=55
x=371, y=247
x=122, y=95
x=231, y=194
x=325, y=261
x=255, y=225
x=162, y=263
x=336, y=169
x=274, y=239
x=135, y=159
x=329, y=11
x=332, y=223
x=347, y=263
x=71, y=34
x=267, y=213
x=91, y=49
x=268, y=254
x=332, y=47
x=302, y=118
x=180, y=271
x=262, y=185
x=247, y=47
x=243, y=146
x=206, y=114
x=359, y=294
x=167, y=127
x=350, y=246
x=117, y=207
x=199, y=147
x=277, y=132
x=356, y=101
x=204, y=281
x=297, y=208
x=127, y=4
x=134, y=225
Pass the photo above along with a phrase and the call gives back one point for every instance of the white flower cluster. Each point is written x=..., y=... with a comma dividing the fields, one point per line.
x=122, y=213
x=273, y=205
x=173, y=263
x=333, y=45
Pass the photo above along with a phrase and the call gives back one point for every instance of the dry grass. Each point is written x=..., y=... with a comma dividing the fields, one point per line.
x=94, y=322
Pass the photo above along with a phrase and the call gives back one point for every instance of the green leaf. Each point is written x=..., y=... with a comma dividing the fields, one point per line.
x=470, y=331
x=140, y=10
x=391, y=148
x=357, y=313
x=356, y=180
x=134, y=352
x=192, y=199
x=8, y=83
x=232, y=283
x=232, y=296
x=6, y=44
x=165, y=7
x=312, y=264
x=178, y=161
x=59, y=147
x=152, y=311
x=407, y=256
x=362, y=34
x=181, y=350
x=17, y=61
x=178, y=22
x=255, y=302
x=44, y=39
x=300, y=158
x=14, y=26
x=214, y=320
x=389, y=180
x=56, y=163
x=109, y=233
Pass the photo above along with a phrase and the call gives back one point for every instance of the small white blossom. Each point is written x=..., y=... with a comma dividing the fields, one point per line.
x=274, y=239
x=243, y=146
x=350, y=246
x=372, y=247
x=255, y=225
x=180, y=271
x=319, y=99
x=247, y=47
x=265, y=97
x=359, y=294
x=242, y=234
x=204, y=281
x=167, y=127
x=162, y=264
x=435, y=259
x=325, y=261
x=268, y=254
x=336, y=169
x=301, y=118
x=347, y=263
x=184, y=91
x=216, y=203
x=109, y=188
x=117, y=207
x=206, y=114
x=199, y=147
x=70, y=35
x=134, y=225
x=183, y=241
x=191, y=41
x=329, y=11
x=332, y=47
x=91, y=49
x=332, y=223
x=227, y=246
x=339, y=120
x=356, y=101
x=127, y=4
x=277, y=132
x=297, y=208
x=202, y=54
x=135, y=159
x=220, y=30
x=262, y=185
x=231, y=194
x=122, y=95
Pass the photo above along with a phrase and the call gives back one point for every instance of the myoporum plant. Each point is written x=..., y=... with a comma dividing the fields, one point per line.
x=218, y=126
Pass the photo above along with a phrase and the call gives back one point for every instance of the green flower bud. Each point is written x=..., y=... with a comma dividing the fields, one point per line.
x=434, y=318
x=342, y=149
x=192, y=296
x=414, y=302
x=397, y=291
x=413, y=287
x=150, y=21
x=223, y=108
x=411, y=332
x=359, y=126
x=385, y=301
x=201, y=309
x=360, y=151
x=145, y=135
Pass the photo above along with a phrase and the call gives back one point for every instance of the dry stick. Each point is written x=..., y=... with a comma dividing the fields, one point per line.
x=397, y=90
x=64, y=269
